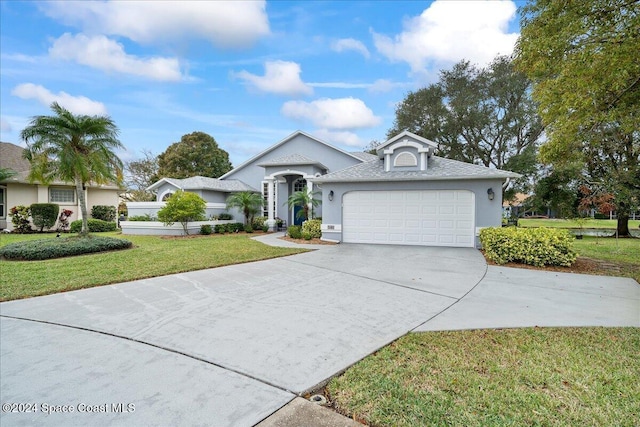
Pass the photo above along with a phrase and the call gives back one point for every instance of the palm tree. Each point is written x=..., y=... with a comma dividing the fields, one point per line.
x=73, y=148
x=5, y=174
x=247, y=201
x=305, y=201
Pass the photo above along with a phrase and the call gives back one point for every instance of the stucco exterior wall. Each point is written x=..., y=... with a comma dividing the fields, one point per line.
x=488, y=213
x=27, y=194
x=333, y=159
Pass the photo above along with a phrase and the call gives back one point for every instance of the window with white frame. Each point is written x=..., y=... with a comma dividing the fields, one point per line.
x=300, y=185
x=265, y=198
x=3, y=202
x=62, y=195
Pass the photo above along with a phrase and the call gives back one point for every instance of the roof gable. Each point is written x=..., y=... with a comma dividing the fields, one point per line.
x=283, y=142
x=409, y=136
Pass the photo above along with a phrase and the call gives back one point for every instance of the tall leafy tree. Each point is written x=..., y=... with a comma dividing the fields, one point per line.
x=582, y=57
x=478, y=115
x=140, y=174
x=78, y=149
x=246, y=201
x=196, y=154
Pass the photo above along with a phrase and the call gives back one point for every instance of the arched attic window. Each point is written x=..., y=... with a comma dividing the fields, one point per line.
x=166, y=196
x=405, y=159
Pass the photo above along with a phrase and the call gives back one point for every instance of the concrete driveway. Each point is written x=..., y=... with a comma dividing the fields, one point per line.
x=231, y=345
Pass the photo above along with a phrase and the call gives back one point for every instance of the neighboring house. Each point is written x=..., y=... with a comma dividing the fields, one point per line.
x=17, y=190
x=515, y=208
x=403, y=195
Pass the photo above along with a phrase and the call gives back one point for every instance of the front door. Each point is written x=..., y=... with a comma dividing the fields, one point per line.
x=297, y=218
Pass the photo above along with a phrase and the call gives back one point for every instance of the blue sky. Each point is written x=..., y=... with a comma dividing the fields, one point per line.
x=247, y=73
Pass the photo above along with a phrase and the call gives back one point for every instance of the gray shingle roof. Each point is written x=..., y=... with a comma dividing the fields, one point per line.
x=439, y=168
x=365, y=157
x=11, y=158
x=290, y=160
x=206, y=183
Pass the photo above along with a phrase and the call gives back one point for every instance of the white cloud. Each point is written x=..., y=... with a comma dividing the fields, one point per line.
x=449, y=31
x=75, y=104
x=351, y=44
x=5, y=126
x=340, y=137
x=338, y=113
x=108, y=55
x=281, y=77
x=223, y=23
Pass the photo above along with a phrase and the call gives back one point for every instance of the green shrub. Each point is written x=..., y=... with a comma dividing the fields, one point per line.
x=533, y=246
x=20, y=219
x=61, y=247
x=205, y=229
x=265, y=228
x=235, y=227
x=44, y=215
x=103, y=212
x=182, y=207
x=224, y=216
x=306, y=235
x=95, y=226
x=258, y=222
x=145, y=217
x=220, y=228
x=294, y=231
x=313, y=227
x=248, y=229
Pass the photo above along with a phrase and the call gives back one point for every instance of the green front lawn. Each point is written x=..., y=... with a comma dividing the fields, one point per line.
x=567, y=223
x=523, y=377
x=623, y=254
x=151, y=256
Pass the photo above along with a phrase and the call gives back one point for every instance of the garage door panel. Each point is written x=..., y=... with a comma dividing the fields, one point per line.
x=429, y=217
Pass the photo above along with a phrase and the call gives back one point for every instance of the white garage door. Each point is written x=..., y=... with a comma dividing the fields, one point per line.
x=428, y=218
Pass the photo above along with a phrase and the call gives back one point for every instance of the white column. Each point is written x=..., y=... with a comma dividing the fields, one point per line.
x=310, y=193
x=387, y=162
x=270, y=201
x=271, y=222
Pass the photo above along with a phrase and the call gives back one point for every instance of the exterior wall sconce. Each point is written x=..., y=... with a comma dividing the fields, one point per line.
x=331, y=195
x=490, y=194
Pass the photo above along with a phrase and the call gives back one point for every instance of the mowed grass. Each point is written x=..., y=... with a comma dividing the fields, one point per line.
x=624, y=253
x=151, y=256
x=567, y=223
x=559, y=377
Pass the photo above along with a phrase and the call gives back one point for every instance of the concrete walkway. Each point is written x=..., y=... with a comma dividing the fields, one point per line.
x=232, y=345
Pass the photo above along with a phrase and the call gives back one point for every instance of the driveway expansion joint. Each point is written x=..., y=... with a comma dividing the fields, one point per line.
x=170, y=350
x=486, y=270
x=386, y=282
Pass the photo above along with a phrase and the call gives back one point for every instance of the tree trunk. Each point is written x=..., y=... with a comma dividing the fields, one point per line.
x=83, y=207
x=623, y=223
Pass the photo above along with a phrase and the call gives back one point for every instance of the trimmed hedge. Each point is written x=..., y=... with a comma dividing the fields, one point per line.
x=533, y=246
x=141, y=218
x=234, y=227
x=294, y=231
x=312, y=227
x=104, y=212
x=258, y=222
x=32, y=250
x=205, y=229
x=95, y=226
x=44, y=215
x=225, y=216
